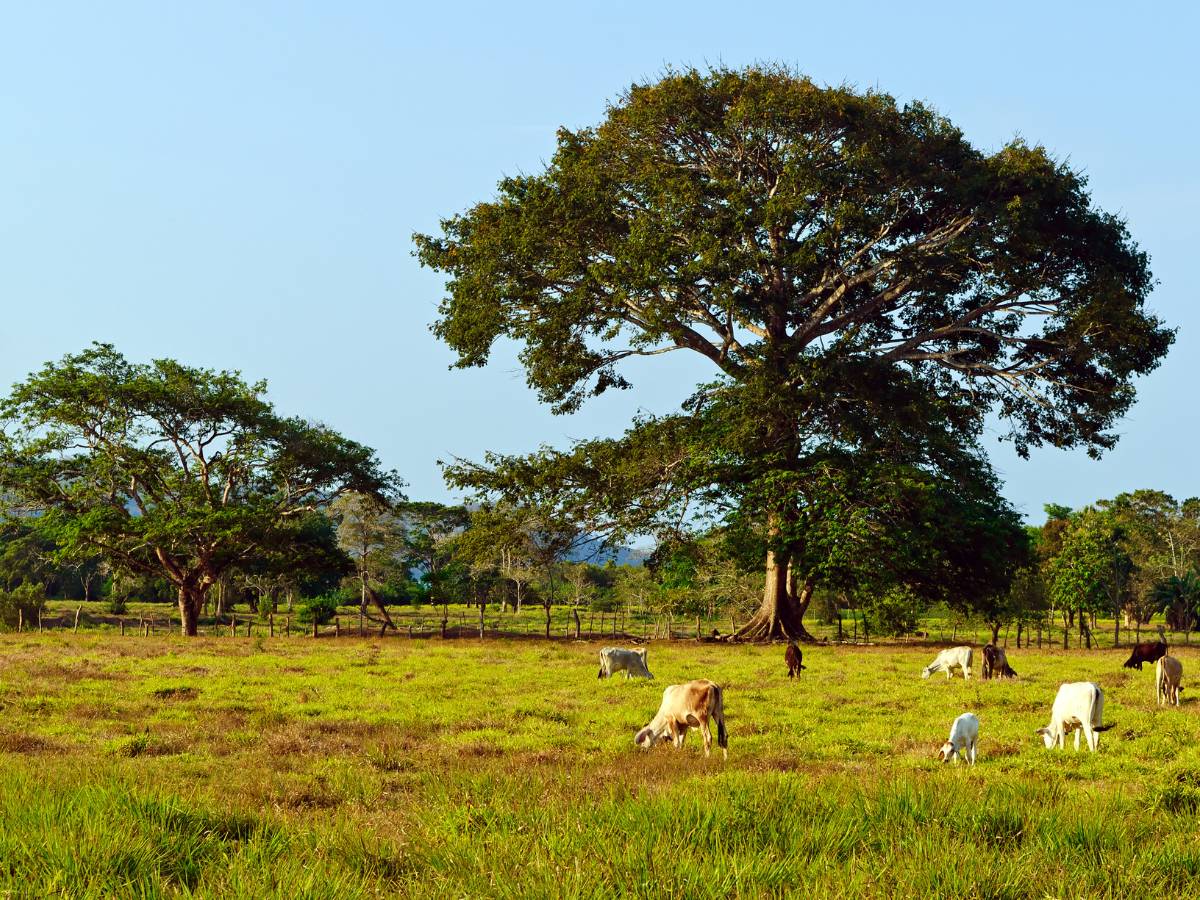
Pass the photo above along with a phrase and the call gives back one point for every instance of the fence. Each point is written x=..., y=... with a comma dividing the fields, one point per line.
x=565, y=623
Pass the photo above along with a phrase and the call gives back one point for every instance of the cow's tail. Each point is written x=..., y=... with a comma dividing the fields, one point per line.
x=719, y=715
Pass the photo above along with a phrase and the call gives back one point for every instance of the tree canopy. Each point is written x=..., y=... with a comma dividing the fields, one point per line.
x=852, y=268
x=176, y=471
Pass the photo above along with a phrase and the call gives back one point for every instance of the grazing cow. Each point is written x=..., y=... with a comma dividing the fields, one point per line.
x=794, y=658
x=685, y=706
x=1078, y=705
x=1150, y=651
x=995, y=663
x=963, y=734
x=631, y=662
x=953, y=658
x=1168, y=672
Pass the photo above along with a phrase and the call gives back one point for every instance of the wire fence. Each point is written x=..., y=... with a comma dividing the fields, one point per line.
x=567, y=623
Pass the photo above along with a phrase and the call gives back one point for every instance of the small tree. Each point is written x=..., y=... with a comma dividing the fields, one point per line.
x=170, y=470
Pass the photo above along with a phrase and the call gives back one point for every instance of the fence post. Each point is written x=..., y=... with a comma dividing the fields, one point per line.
x=443, y=628
x=337, y=626
x=270, y=624
x=20, y=619
x=145, y=629
x=232, y=625
x=39, y=620
x=122, y=628
x=575, y=613
x=697, y=628
x=249, y=622
x=314, y=626
x=360, y=621
x=75, y=628
x=1066, y=640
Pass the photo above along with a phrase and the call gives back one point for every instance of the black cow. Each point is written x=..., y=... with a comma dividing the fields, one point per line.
x=1151, y=651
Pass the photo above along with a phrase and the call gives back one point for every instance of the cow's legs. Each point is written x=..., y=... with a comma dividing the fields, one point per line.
x=707, y=733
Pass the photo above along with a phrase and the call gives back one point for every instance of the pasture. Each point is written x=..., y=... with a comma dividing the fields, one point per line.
x=425, y=768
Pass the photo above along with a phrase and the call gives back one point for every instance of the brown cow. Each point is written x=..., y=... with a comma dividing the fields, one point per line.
x=995, y=663
x=794, y=657
x=685, y=706
x=1151, y=651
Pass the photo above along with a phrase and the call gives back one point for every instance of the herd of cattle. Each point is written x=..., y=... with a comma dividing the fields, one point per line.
x=1078, y=706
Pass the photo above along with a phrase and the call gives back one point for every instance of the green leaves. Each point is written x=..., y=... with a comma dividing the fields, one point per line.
x=770, y=225
x=169, y=469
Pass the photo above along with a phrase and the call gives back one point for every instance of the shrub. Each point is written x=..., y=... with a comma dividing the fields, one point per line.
x=320, y=609
x=28, y=599
x=896, y=612
x=116, y=604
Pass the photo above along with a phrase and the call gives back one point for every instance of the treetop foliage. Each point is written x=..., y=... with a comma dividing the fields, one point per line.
x=780, y=228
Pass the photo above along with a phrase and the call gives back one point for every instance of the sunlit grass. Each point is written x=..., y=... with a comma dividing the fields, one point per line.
x=293, y=767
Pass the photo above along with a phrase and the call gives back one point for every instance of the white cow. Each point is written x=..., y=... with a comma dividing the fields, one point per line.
x=953, y=658
x=1168, y=672
x=1079, y=706
x=685, y=706
x=631, y=662
x=963, y=734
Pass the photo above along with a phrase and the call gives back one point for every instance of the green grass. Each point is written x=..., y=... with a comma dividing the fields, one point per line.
x=292, y=767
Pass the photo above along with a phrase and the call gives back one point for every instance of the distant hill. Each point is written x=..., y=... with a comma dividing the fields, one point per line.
x=621, y=556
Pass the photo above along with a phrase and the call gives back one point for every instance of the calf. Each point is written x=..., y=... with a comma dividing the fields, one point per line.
x=1078, y=705
x=995, y=663
x=1150, y=651
x=1168, y=672
x=684, y=706
x=794, y=658
x=963, y=734
x=953, y=658
x=631, y=662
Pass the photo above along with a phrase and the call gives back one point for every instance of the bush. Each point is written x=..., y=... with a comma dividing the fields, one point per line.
x=27, y=599
x=116, y=605
x=894, y=613
x=319, y=609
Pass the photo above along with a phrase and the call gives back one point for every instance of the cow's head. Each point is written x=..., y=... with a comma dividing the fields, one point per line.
x=648, y=737
x=929, y=670
x=1048, y=737
x=947, y=752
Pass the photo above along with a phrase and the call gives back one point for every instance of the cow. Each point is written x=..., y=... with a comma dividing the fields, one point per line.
x=963, y=734
x=1078, y=706
x=1149, y=651
x=952, y=658
x=1168, y=672
x=794, y=657
x=995, y=663
x=631, y=662
x=684, y=706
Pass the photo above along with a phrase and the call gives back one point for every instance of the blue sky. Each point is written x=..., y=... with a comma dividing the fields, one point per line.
x=235, y=185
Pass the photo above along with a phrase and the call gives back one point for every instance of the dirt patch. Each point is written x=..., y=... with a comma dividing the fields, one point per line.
x=176, y=693
x=27, y=744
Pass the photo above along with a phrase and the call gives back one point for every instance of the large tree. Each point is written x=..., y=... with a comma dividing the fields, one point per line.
x=809, y=243
x=171, y=470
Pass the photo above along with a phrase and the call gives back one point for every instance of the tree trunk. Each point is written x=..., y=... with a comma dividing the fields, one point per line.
x=191, y=601
x=995, y=632
x=547, y=606
x=783, y=606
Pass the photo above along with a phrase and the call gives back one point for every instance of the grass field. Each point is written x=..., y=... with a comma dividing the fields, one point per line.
x=341, y=768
